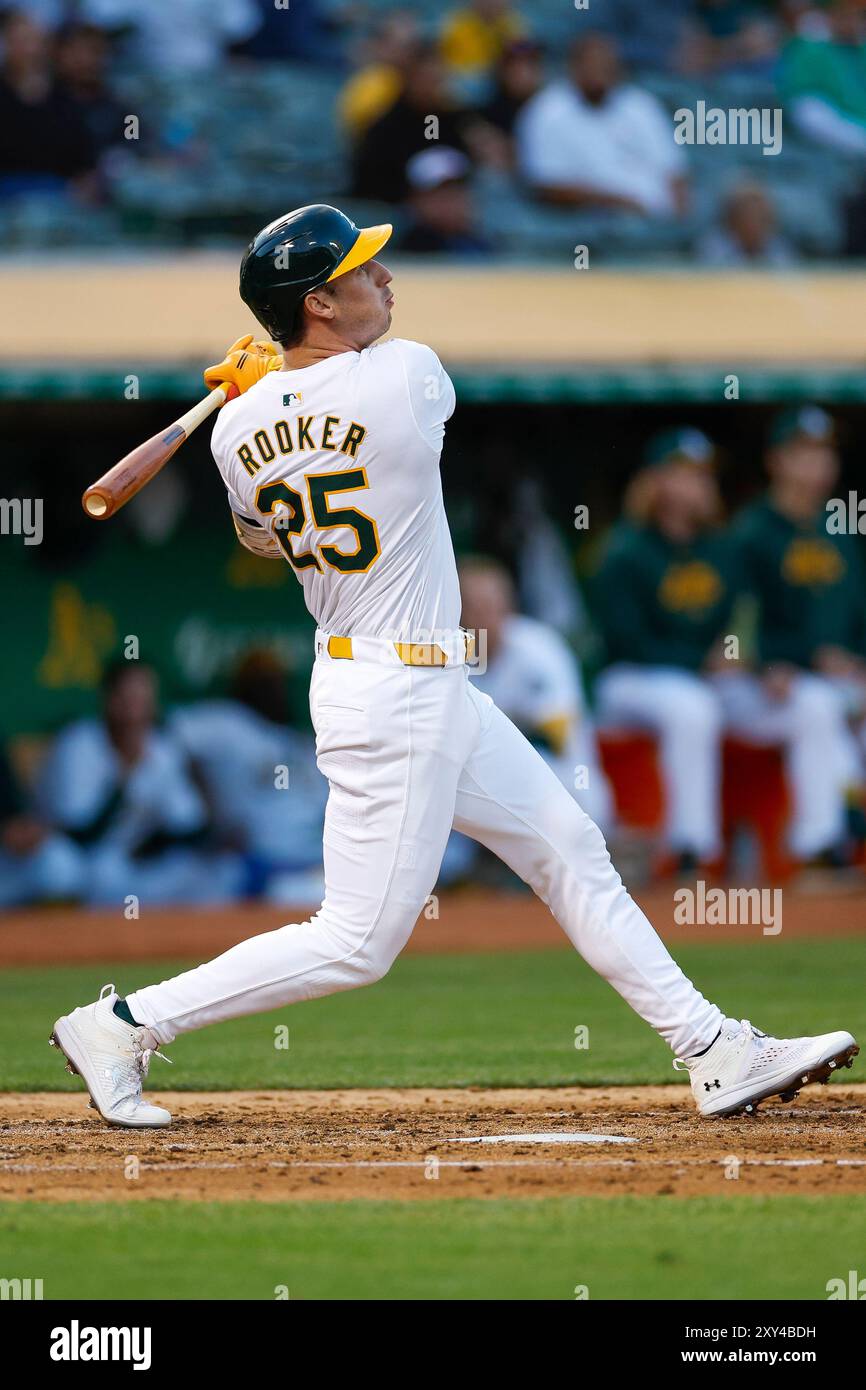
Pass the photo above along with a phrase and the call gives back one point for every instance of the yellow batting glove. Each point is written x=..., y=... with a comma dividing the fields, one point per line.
x=244, y=364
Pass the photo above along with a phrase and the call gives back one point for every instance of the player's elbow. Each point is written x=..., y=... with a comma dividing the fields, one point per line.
x=255, y=538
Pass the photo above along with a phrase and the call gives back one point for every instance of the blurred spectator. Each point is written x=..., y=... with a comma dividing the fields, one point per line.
x=531, y=673
x=692, y=36
x=48, y=14
x=174, y=36
x=594, y=141
x=806, y=17
x=823, y=79
x=811, y=594
x=747, y=234
x=443, y=218
x=544, y=561
x=734, y=34
x=377, y=84
x=119, y=788
x=82, y=54
x=519, y=74
x=43, y=141
x=651, y=37
x=422, y=114
x=663, y=596
x=265, y=792
x=473, y=39
x=35, y=864
x=291, y=32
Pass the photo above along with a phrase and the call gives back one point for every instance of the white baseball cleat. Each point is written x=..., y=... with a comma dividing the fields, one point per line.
x=744, y=1066
x=112, y=1058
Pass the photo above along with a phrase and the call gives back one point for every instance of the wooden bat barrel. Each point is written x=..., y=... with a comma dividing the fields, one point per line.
x=130, y=474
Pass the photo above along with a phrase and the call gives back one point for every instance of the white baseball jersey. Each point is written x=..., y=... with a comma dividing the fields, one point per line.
x=340, y=463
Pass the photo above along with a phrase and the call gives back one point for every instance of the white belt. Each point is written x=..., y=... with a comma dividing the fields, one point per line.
x=446, y=648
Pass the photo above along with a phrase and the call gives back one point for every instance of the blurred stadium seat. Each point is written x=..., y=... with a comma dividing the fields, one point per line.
x=755, y=797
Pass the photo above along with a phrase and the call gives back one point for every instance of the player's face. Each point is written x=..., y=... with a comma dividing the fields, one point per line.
x=486, y=604
x=133, y=700
x=595, y=68
x=808, y=465
x=363, y=302
x=689, y=491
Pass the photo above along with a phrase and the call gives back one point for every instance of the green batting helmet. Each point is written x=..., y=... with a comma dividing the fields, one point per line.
x=298, y=253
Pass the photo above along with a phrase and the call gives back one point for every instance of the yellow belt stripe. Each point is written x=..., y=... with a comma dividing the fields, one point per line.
x=340, y=648
x=410, y=653
x=421, y=654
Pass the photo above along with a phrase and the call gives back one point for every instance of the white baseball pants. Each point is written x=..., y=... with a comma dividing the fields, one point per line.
x=682, y=709
x=822, y=759
x=409, y=752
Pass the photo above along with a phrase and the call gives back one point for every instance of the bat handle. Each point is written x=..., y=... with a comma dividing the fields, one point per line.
x=205, y=407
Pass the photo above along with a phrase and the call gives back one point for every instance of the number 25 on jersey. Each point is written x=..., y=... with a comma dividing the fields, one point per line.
x=286, y=505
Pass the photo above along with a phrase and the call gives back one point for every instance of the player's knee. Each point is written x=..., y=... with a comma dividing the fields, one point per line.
x=372, y=963
x=355, y=957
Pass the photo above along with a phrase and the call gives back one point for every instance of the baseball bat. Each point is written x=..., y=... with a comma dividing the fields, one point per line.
x=110, y=492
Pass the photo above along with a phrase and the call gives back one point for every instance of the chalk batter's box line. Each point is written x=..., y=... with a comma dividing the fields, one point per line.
x=468, y=1164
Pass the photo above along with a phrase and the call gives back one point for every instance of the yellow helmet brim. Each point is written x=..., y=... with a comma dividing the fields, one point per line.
x=370, y=241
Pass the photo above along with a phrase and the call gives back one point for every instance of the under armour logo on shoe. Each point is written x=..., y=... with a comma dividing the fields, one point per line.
x=708, y=1085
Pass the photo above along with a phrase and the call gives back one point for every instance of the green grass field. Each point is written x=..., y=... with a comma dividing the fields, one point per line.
x=492, y=1020
x=619, y=1248
x=447, y=1021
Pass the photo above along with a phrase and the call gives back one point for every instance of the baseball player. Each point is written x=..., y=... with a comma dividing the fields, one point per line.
x=810, y=675
x=330, y=461
x=663, y=597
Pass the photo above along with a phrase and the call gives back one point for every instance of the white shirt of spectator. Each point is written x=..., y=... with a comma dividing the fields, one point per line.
x=532, y=675
x=534, y=678
x=239, y=753
x=83, y=771
x=624, y=147
x=399, y=392
x=179, y=36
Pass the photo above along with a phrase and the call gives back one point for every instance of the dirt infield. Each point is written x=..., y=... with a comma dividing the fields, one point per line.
x=476, y=920
x=273, y=1146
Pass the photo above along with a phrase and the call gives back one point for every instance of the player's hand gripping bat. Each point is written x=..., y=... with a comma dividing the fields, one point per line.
x=106, y=496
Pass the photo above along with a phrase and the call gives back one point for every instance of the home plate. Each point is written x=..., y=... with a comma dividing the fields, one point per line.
x=559, y=1137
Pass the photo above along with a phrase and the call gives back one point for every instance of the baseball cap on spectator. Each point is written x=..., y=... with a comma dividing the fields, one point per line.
x=806, y=421
x=525, y=47
x=431, y=168
x=685, y=444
